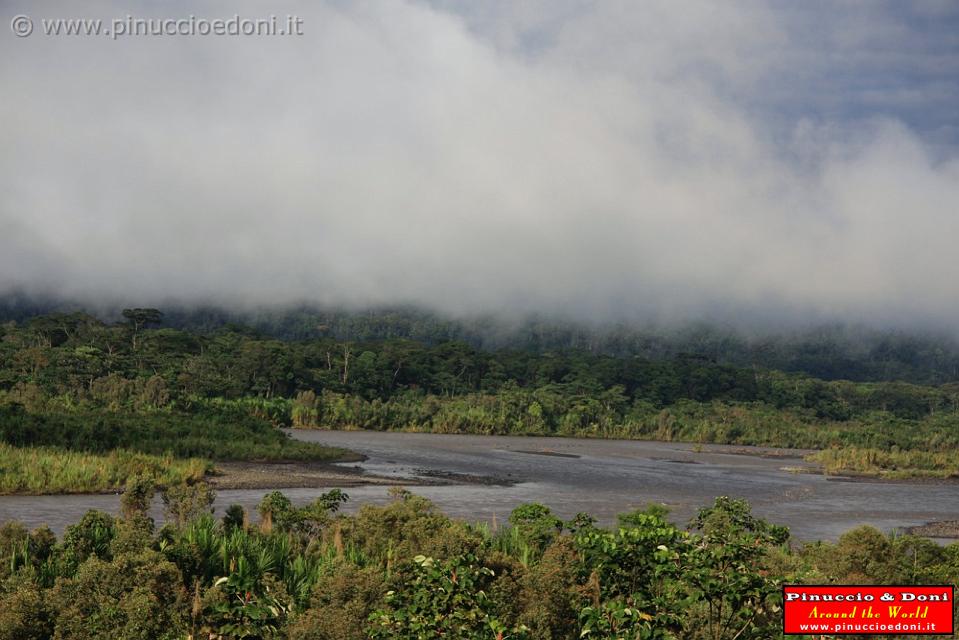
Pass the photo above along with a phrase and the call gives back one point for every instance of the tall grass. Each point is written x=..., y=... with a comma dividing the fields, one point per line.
x=888, y=464
x=508, y=540
x=40, y=470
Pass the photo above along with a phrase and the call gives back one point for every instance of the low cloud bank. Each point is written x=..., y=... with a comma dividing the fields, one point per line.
x=606, y=161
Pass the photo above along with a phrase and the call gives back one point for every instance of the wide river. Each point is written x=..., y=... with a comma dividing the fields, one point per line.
x=493, y=474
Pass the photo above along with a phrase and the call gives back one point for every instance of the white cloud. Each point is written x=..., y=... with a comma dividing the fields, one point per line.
x=615, y=159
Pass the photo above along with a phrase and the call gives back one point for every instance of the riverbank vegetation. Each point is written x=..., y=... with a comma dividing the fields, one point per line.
x=37, y=470
x=75, y=382
x=89, y=451
x=405, y=570
x=227, y=434
x=895, y=464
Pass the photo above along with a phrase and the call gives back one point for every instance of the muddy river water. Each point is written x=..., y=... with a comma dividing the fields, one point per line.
x=482, y=477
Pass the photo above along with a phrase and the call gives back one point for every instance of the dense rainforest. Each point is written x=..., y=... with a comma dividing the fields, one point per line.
x=826, y=351
x=77, y=393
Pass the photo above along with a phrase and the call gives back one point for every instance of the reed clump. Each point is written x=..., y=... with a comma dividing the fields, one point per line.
x=46, y=470
x=887, y=464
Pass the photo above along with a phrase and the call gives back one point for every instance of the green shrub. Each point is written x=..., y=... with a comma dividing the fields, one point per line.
x=435, y=599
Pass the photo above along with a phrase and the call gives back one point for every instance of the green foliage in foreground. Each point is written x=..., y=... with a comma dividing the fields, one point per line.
x=405, y=570
x=46, y=470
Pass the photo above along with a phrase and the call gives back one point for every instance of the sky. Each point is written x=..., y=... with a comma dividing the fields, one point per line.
x=755, y=161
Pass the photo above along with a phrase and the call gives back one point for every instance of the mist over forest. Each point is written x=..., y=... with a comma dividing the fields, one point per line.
x=761, y=164
x=833, y=351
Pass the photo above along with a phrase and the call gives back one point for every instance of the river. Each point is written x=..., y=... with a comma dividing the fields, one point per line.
x=490, y=475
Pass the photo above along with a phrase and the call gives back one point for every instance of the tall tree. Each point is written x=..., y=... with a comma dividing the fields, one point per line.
x=140, y=318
